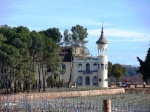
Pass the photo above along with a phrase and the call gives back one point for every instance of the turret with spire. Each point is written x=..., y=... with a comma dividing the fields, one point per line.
x=102, y=44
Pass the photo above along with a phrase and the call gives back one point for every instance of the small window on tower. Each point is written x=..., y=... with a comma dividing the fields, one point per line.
x=106, y=66
x=102, y=66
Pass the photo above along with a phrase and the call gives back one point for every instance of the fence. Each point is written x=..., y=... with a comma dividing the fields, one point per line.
x=135, y=102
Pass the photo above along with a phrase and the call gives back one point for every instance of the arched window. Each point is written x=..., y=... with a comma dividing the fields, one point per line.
x=95, y=80
x=63, y=66
x=105, y=66
x=95, y=67
x=88, y=67
x=80, y=80
x=80, y=67
x=102, y=66
x=87, y=80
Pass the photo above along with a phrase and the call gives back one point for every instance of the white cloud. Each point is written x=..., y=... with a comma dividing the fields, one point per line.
x=124, y=35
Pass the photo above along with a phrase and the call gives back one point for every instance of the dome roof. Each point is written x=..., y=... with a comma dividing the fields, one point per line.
x=102, y=39
x=80, y=51
x=86, y=50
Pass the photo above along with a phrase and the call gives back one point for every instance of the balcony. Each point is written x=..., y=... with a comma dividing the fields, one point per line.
x=95, y=70
x=87, y=72
x=80, y=71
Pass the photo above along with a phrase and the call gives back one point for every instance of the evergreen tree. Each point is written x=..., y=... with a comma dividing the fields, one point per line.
x=144, y=68
x=109, y=68
x=52, y=33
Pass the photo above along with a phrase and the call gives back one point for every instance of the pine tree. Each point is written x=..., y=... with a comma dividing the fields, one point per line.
x=144, y=68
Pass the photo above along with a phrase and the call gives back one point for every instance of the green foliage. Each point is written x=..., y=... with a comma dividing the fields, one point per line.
x=118, y=71
x=52, y=33
x=52, y=81
x=79, y=34
x=67, y=37
x=109, y=68
x=144, y=68
x=21, y=49
x=117, y=74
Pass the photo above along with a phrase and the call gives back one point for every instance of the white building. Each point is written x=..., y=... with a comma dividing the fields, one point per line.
x=87, y=71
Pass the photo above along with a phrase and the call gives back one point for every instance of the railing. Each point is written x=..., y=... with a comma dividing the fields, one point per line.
x=95, y=70
x=87, y=72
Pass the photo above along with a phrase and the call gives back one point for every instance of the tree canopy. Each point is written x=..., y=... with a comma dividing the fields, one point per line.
x=52, y=33
x=79, y=34
x=21, y=50
x=109, y=68
x=144, y=68
x=116, y=70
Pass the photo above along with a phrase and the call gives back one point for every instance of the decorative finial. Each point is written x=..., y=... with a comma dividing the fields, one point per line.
x=102, y=22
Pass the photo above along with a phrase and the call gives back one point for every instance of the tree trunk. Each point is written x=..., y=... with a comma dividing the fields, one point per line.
x=43, y=73
x=36, y=85
x=39, y=85
x=15, y=86
x=51, y=80
x=70, y=73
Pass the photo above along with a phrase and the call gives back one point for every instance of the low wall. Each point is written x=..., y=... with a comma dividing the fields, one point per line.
x=85, y=93
x=67, y=94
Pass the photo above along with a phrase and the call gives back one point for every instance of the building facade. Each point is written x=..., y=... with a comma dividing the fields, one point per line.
x=88, y=71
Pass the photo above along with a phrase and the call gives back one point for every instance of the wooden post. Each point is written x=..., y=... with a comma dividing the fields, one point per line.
x=143, y=85
x=106, y=105
x=0, y=103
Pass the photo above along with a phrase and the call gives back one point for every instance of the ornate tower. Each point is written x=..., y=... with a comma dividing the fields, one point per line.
x=102, y=44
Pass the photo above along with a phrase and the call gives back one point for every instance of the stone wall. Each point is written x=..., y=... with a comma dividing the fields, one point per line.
x=85, y=93
x=67, y=94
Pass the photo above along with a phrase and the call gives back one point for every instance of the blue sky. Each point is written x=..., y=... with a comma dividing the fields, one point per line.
x=126, y=22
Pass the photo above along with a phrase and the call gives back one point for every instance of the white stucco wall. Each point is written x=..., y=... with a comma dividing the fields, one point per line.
x=101, y=72
x=66, y=76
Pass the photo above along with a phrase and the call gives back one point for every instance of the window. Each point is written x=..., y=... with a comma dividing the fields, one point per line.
x=80, y=67
x=95, y=80
x=105, y=66
x=88, y=67
x=95, y=67
x=102, y=66
x=80, y=80
x=87, y=80
x=63, y=67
